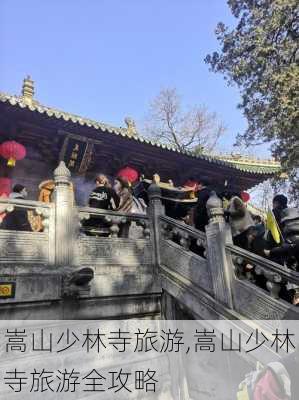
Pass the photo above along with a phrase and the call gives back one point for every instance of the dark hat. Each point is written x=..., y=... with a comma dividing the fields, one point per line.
x=18, y=188
x=281, y=199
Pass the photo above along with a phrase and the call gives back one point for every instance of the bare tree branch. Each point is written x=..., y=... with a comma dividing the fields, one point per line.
x=192, y=129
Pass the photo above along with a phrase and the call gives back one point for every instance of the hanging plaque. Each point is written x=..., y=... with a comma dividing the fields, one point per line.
x=76, y=152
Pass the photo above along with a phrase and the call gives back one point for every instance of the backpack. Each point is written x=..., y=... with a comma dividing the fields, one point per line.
x=248, y=385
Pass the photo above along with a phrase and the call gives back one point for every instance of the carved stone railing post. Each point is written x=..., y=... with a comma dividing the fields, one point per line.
x=66, y=220
x=221, y=267
x=155, y=209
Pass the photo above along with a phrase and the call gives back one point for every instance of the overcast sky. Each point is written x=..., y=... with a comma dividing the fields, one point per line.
x=106, y=59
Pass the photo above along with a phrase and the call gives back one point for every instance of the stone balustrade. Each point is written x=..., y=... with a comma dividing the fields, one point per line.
x=275, y=277
x=110, y=222
x=181, y=233
x=62, y=263
x=57, y=227
x=200, y=272
x=218, y=285
x=38, y=213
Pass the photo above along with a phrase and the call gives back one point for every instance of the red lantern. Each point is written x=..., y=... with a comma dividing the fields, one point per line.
x=5, y=187
x=245, y=197
x=128, y=173
x=12, y=151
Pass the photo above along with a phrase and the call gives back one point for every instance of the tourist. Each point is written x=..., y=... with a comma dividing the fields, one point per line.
x=18, y=218
x=280, y=203
x=102, y=196
x=240, y=221
x=201, y=218
x=46, y=189
x=259, y=225
x=256, y=243
x=122, y=189
x=288, y=251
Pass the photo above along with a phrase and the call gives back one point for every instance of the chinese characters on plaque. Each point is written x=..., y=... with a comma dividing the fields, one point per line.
x=76, y=153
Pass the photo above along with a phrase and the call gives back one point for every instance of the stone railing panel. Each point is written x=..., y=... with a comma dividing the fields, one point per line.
x=24, y=247
x=186, y=264
x=33, y=283
x=259, y=292
x=254, y=303
x=114, y=251
x=122, y=265
x=107, y=223
x=29, y=247
x=181, y=233
x=177, y=254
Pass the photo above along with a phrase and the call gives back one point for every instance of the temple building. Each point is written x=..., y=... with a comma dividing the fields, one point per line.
x=169, y=271
x=89, y=147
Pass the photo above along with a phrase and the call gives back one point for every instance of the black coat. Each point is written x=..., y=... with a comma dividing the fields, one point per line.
x=101, y=197
x=17, y=220
x=285, y=251
x=201, y=218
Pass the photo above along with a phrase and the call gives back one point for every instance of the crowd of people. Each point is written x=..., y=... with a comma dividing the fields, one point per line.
x=105, y=196
x=118, y=197
x=248, y=231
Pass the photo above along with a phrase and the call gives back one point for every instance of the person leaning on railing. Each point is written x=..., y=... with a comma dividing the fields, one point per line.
x=17, y=219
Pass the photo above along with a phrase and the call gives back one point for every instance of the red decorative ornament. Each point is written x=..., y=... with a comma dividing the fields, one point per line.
x=129, y=174
x=5, y=187
x=245, y=197
x=12, y=151
x=2, y=214
x=5, y=190
x=191, y=184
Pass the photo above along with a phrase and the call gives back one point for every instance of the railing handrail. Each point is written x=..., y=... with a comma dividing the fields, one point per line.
x=103, y=212
x=187, y=228
x=23, y=203
x=289, y=275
